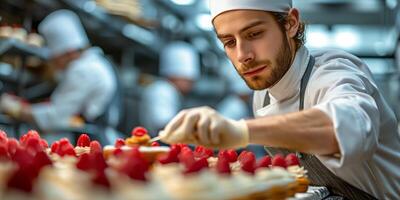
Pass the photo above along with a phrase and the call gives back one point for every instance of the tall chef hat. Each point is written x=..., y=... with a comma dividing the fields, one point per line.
x=180, y=59
x=63, y=32
x=219, y=6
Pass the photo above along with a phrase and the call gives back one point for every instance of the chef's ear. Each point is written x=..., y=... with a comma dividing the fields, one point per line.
x=293, y=22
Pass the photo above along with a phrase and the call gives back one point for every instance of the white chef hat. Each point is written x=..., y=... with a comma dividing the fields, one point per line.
x=180, y=59
x=219, y=6
x=63, y=32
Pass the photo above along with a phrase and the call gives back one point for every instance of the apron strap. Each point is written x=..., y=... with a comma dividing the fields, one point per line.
x=318, y=173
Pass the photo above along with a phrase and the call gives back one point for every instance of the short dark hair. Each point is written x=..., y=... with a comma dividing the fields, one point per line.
x=282, y=19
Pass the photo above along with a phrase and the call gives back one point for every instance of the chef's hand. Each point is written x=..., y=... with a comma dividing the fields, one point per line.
x=11, y=105
x=204, y=126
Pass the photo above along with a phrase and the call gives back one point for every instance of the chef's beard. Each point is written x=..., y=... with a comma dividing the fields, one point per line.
x=283, y=60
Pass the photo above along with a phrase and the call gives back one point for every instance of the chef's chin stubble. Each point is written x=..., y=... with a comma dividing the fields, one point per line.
x=283, y=61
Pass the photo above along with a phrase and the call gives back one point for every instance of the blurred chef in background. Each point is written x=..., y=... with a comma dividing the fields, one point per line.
x=86, y=80
x=161, y=101
x=323, y=103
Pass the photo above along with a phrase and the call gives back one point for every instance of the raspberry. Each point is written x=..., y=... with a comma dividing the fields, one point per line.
x=232, y=155
x=67, y=149
x=223, y=166
x=83, y=141
x=22, y=157
x=196, y=166
x=119, y=143
x=246, y=155
x=41, y=159
x=12, y=145
x=3, y=134
x=279, y=161
x=241, y=155
x=135, y=167
x=44, y=143
x=139, y=131
x=264, y=162
x=223, y=154
x=98, y=162
x=55, y=146
x=201, y=152
x=33, y=145
x=3, y=152
x=3, y=137
x=170, y=157
x=117, y=152
x=176, y=148
x=95, y=146
x=155, y=144
x=186, y=156
x=84, y=162
x=248, y=161
x=64, y=141
x=291, y=159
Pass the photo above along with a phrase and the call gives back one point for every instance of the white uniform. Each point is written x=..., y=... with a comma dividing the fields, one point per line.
x=342, y=86
x=161, y=101
x=87, y=88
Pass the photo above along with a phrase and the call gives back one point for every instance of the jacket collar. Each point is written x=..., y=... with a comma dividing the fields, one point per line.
x=289, y=85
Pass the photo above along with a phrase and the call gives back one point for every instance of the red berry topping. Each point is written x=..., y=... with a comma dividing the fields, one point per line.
x=223, y=166
x=55, y=146
x=83, y=141
x=33, y=145
x=84, y=162
x=248, y=161
x=170, y=157
x=232, y=155
x=119, y=143
x=12, y=145
x=196, y=166
x=139, y=131
x=4, y=152
x=292, y=159
x=135, y=166
x=155, y=144
x=264, y=162
x=3, y=137
x=201, y=152
x=117, y=152
x=44, y=143
x=279, y=161
x=95, y=146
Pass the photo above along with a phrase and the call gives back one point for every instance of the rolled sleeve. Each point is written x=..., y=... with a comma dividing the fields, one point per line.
x=355, y=121
x=348, y=99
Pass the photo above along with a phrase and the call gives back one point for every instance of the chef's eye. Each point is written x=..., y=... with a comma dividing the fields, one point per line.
x=229, y=43
x=255, y=34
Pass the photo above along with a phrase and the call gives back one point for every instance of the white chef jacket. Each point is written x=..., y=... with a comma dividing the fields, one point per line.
x=160, y=102
x=86, y=88
x=342, y=86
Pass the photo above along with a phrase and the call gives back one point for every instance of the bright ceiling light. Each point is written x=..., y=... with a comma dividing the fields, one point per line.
x=183, y=2
x=346, y=39
x=203, y=21
x=317, y=36
x=317, y=39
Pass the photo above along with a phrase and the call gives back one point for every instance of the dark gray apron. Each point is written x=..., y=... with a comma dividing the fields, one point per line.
x=317, y=172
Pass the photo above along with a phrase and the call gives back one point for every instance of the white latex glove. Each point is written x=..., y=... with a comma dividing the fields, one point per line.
x=204, y=126
x=11, y=105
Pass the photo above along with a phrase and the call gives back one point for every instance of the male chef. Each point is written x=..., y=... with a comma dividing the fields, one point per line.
x=324, y=104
